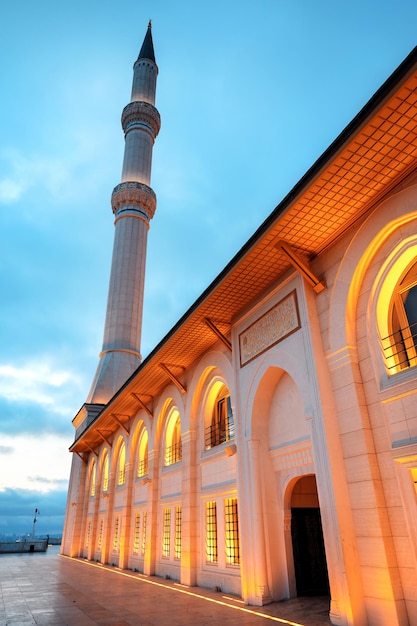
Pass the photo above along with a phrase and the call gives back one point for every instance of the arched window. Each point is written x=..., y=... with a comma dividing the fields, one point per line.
x=121, y=465
x=93, y=478
x=143, y=453
x=404, y=318
x=400, y=344
x=173, y=447
x=221, y=426
x=106, y=472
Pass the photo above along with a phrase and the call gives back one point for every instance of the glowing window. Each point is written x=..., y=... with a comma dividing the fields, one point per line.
x=93, y=479
x=121, y=472
x=87, y=538
x=177, y=544
x=136, y=539
x=173, y=446
x=397, y=312
x=100, y=535
x=116, y=535
x=144, y=533
x=221, y=428
x=166, y=536
x=106, y=473
x=232, y=531
x=404, y=319
x=143, y=454
x=211, y=532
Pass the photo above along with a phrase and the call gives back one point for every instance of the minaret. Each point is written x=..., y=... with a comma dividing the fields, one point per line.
x=133, y=203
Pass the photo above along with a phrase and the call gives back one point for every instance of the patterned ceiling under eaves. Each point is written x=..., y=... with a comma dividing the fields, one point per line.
x=371, y=162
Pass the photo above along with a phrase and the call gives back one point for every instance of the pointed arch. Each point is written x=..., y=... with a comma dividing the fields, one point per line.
x=218, y=414
x=106, y=464
x=92, y=478
x=383, y=225
x=172, y=437
x=121, y=464
x=143, y=444
x=394, y=307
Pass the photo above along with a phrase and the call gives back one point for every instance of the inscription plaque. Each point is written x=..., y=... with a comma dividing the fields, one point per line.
x=274, y=326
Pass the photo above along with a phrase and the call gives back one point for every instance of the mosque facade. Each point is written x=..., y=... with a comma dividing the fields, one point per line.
x=267, y=446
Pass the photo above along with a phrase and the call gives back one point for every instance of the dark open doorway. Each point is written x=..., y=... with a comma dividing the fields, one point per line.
x=310, y=565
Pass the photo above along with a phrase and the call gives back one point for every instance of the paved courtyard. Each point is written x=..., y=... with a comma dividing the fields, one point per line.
x=49, y=589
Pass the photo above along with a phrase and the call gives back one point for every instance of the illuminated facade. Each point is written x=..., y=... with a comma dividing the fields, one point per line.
x=268, y=445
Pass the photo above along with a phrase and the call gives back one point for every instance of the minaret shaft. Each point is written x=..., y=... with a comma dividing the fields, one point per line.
x=144, y=82
x=124, y=313
x=137, y=156
x=133, y=204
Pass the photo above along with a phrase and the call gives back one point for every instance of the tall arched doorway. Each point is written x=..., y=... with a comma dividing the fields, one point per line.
x=310, y=565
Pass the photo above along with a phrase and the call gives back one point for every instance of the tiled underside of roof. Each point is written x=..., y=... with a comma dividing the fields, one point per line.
x=376, y=159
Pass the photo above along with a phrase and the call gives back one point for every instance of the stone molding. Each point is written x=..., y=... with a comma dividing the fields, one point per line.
x=136, y=195
x=142, y=113
x=292, y=456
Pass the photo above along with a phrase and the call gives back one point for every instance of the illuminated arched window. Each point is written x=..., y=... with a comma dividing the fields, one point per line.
x=93, y=478
x=173, y=447
x=404, y=319
x=221, y=426
x=143, y=453
x=106, y=472
x=396, y=309
x=121, y=465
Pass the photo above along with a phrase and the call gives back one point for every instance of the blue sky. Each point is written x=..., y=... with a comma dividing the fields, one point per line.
x=250, y=94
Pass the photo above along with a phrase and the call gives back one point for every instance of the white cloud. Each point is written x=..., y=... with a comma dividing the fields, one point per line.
x=37, y=381
x=38, y=464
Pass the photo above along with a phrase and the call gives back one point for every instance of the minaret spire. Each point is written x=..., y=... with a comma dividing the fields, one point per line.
x=133, y=203
x=147, y=51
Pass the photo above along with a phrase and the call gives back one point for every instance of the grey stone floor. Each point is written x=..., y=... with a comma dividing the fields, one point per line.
x=48, y=589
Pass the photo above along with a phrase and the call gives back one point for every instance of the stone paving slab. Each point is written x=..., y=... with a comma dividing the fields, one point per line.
x=50, y=590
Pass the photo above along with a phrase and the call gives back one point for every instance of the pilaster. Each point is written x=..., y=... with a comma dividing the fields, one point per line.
x=189, y=517
x=152, y=513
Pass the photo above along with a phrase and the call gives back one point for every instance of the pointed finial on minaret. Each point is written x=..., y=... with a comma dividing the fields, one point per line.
x=147, y=51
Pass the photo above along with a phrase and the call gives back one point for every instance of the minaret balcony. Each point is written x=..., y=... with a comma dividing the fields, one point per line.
x=136, y=196
x=141, y=114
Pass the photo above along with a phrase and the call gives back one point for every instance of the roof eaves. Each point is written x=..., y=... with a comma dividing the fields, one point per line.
x=392, y=83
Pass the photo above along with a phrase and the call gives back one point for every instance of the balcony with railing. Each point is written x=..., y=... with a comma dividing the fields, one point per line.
x=143, y=468
x=173, y=454
x=219, y=432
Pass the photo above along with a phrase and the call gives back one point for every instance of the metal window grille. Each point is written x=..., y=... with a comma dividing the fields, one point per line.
x=166, y=538
x=144, y=532
x=173, y=454
x=222, y=427
x=218, y=433
x=116, y=535
x=100, y=535
x=232, y=532
x=400, y=348
x=177, y=544
x=211, y=532
x=121, y=476
x=136, y=540
x=87, y=539
x=143, y=467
